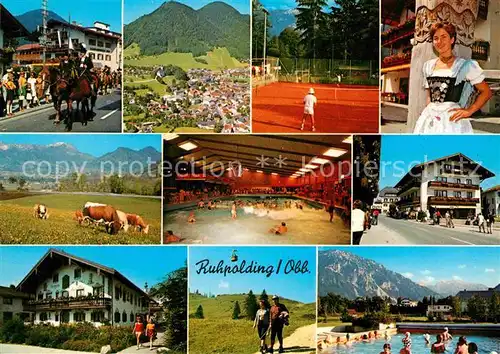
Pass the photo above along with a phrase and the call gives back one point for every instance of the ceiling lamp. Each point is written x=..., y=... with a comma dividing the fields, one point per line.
x=334, y=152
x=188, y=145
x=170, y=136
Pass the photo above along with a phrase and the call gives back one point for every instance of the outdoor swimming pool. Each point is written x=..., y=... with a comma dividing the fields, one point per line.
x=485, y=344
x=309, y=225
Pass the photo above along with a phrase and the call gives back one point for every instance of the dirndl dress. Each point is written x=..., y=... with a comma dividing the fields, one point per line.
x=449, y=89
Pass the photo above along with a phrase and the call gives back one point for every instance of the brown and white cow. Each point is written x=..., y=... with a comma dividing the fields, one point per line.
x=123, y=220
x=105, y=213
x=40, y=211
x=137, y=223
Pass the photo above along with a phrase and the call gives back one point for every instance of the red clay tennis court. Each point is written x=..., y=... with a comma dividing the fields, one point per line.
x=278, y=108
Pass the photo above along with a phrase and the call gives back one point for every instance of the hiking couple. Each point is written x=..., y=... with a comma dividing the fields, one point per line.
x=271, y=320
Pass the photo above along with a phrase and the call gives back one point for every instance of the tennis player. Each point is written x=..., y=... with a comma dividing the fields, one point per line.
x=310, y=102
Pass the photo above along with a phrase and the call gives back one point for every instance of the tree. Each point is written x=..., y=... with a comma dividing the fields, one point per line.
x=456, y=304
x=12, y=180
x=199, y=312
x=2, y=188
x=250, y=305
x=477, y=308
x=264, y=297
x=22, y=183
x=116, y=184
x=310, y=21
x=494, y=307
x=236, y=311
x=258, y=28
x=289, y=43
x=172, y=293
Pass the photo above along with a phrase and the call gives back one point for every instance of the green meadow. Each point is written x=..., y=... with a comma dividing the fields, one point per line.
x=219, y=333
x=217, y=59
x=19, y=226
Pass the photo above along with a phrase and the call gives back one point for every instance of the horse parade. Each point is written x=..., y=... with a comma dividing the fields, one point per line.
x=70, y=84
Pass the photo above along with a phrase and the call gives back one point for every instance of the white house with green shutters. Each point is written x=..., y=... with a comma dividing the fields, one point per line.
x=70, y=289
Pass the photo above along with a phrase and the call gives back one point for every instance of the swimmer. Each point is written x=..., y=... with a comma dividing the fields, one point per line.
x=233, y=211
x=438, y=346
x=191, y=218
x=427, y=338
x=387, y=349
x=462, y=347
x=169, y=237
x=279, y=229
x=406, y=344
x=201, y=204
x=387, y=337
x=446, y=335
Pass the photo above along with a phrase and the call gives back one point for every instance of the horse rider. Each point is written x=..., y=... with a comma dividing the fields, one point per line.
x=86, y=65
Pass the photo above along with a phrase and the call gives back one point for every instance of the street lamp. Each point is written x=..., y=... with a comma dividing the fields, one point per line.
x=265, y=41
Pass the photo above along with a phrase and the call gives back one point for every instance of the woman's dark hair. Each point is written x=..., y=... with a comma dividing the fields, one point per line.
x=473, y=348
x=387, y=346
x=448, y=27
x=283, y=224
x=358, y=204
x=438, y=337
x=462, y=340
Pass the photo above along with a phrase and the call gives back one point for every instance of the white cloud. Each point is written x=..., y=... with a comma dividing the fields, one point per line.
x=426, y=272
x=456, y=277
x=223, y=284
x=462, y=266
x=489, y=270
x=408, y=275
x=427, y=280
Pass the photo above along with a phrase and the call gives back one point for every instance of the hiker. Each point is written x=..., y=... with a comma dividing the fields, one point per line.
x=489, y=223
x=279, y=317
x=261, y=322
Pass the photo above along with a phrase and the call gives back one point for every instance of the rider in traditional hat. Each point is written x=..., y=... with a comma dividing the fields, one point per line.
x=86, y=65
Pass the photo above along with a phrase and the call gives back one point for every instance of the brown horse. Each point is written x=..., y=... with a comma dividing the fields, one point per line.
x=63, y=88
x=106, y=81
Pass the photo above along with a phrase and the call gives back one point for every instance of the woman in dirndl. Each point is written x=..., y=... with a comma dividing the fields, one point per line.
x=456, y=87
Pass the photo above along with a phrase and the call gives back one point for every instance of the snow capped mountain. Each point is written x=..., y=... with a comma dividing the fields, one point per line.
x=352, y=276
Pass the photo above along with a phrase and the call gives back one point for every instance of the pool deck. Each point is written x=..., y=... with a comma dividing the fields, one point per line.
x=190, y=204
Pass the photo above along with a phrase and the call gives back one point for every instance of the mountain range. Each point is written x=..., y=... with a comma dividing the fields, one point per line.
x=352, y=276
x=281, y=19
x=452, y=287
x=33, y=18
x=175, y=27
x=14, y=156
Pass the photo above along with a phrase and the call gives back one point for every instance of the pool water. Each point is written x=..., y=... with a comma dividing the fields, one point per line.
x=485, y=344
x=309, y=225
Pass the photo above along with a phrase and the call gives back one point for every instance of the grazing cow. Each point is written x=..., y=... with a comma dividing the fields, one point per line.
x=107, y=214
x=40, y=211
x=79, y=216
x=137, y=222
x=123, y=220
x=92, y=204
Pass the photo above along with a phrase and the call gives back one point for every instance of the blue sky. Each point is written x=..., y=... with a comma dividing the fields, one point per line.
x=17, y=261
x=299, y=287
x=137, y=8
x=285, y=4
x=426, y=265
x=84, y=12
x=93, y=144
x=484, y=149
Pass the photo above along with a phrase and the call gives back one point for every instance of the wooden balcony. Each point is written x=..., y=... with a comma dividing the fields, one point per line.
x=439, y=184
x=415, y=183
x=395, y=60
x=452, y=201
x=69, y=304
x=403, y=32
x=28, y=57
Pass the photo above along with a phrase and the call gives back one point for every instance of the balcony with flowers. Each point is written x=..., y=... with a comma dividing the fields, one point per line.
x=403, y=31
x=397, y=59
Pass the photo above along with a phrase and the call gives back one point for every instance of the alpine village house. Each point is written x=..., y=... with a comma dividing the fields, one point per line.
x=62, y=288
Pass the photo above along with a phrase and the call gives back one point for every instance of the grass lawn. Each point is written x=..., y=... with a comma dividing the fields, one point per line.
x=132, y=50
x=134, y=118
x=20, y=227
x=217, y=59
x=332, y=322
x=153, y=85
x=192, y=130
x=219, y=333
